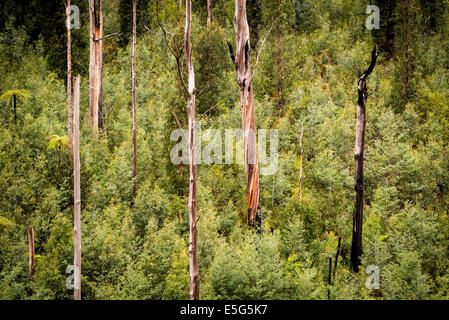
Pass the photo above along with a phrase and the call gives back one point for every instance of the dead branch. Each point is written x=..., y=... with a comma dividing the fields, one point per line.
x=260, y=50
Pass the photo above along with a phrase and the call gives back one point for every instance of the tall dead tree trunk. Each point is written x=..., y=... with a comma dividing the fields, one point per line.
x=209, y=13
x=193, y=240
x=356, y=250
x=301, y=149
x=69, y=80
x=191, y=92
x=244, y=79
x=76, y=190
x=30, y=252
x=96, y=63
x=134, y=103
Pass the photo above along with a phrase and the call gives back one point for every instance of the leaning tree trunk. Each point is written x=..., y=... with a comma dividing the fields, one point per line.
x=96, y=63
x=69, y=81
x=193, y=240
x=356, y=250
x=134, y=104
x=244, y=80
x=76, y=191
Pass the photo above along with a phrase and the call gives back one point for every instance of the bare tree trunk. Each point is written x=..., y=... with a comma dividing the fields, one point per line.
x=180, y=14
x=300, y=162
x=69, y=81
x=14, y=97
x=356, y=250
x=134, y=103
x=30, y=252
x=209, y=13
x=244, y=80
x=76, y=191
x=190, y=89
x=96, y=63
x=193, y=240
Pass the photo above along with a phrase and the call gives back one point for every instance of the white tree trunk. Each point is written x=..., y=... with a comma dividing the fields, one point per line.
x=30, y=252
x=193, y=239
x=209, y=13
x=134, y=103
x=76, y=190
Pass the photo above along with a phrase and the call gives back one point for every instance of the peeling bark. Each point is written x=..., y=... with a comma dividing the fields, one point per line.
x=244, y=79
x=356, y=250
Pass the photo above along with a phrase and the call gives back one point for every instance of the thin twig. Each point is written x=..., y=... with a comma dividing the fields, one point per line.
x=176, y=54
x=202, y=91
x=204, y=113
x=260, y=50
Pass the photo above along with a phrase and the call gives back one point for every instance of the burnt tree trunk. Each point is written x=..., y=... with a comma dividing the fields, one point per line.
x=134, y=104
x=193, y=239
x=69, y=81
x=356, y=250
x=96, y=63
x=244, y=79
x=76, y=191
x=30, y=252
